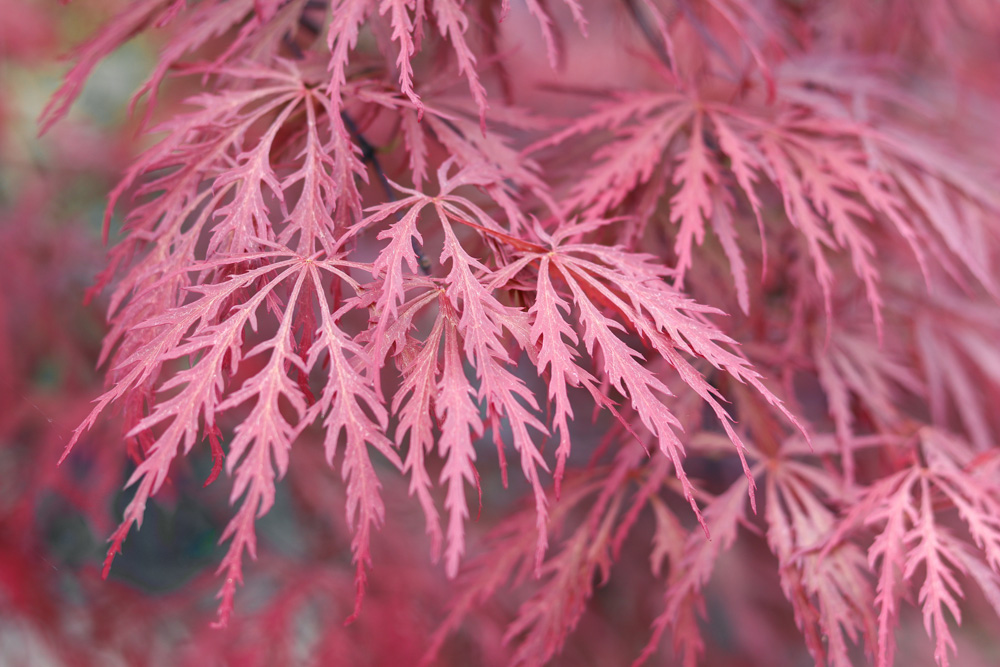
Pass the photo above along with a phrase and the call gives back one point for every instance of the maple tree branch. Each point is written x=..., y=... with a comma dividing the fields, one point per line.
x=649, y=33
x=368, y=155
x=703, y=32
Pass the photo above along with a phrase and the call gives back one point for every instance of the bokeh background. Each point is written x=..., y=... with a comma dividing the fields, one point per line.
x=157, y=606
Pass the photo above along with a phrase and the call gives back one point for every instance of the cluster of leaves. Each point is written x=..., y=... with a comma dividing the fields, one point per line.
x=377, y=226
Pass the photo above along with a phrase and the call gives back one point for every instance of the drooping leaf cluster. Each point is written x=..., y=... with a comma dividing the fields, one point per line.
x=758, y=247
